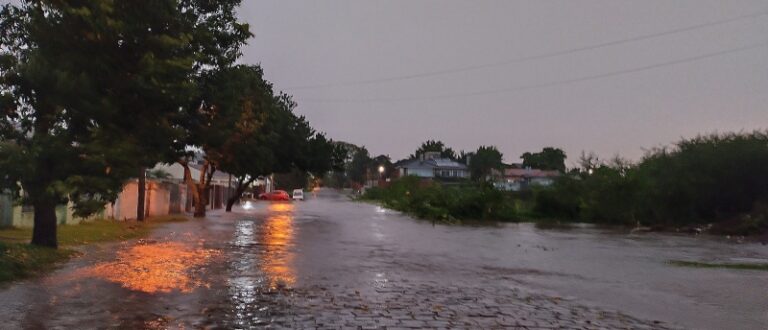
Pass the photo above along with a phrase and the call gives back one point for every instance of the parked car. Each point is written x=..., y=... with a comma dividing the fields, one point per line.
x=277, y=195
x=298, y=194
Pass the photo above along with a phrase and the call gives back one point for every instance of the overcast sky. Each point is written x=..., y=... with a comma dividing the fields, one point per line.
x=333, y=44
x=391, y=74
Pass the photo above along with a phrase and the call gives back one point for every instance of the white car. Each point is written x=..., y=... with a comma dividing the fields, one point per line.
x=298, y=194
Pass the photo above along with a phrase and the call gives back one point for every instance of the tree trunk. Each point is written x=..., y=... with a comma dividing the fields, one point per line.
x=230, y=202
x=142, y=186
x=148, y=205
x=202, y=201
x=199, y=190
x=44, y=231
x=44, y=204
x=241, y=186
x=234, y=197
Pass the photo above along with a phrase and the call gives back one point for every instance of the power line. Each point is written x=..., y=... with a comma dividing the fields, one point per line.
x=530, y=58
x=548, y=84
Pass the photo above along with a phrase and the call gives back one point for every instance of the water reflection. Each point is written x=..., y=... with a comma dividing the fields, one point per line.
x=156, y=267
x=280, y=207
x=262, y=261
x=276, y=238
x=243, y=284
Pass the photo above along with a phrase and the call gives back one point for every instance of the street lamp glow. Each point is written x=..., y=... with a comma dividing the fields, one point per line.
x=381, y=169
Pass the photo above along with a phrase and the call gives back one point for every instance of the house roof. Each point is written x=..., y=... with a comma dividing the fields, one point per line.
x=439, y=163
x=530, y=173
x=445, y=163
x=413, y=164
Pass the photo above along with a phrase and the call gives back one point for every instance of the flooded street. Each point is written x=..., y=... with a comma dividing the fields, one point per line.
x=330, y=263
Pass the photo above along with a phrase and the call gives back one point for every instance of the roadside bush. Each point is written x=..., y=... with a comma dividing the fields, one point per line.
x=609, y=196
x=713, y=178
x=562, y=200
x=432, y=200
x=705, y=179
x=756, y=222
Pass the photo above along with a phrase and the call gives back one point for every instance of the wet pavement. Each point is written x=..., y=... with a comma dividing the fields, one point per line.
x=332, y=263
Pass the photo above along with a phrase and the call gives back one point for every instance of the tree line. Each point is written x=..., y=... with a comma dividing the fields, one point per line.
x=353, y=165
x=93, y=92
x=716, y=178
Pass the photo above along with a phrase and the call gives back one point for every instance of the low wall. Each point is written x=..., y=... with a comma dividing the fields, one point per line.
x=161, y=198
x=14, y=215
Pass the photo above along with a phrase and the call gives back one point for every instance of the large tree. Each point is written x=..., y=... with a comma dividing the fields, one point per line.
x=341, y=157
x=246, y=130
x=547, y=159
x=229, y=129
x=212, y=41
x=359, y=167
x=484, y=161
x=94, y=90
x=279, y=141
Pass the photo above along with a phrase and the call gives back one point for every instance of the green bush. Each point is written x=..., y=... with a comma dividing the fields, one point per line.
x=432, y=200
x=562, y=200
x=706, y=179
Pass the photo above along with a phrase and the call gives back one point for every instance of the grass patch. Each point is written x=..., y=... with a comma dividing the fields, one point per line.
x=18, y=259
x=22, y=260
x=92, y=231
x=696, y=264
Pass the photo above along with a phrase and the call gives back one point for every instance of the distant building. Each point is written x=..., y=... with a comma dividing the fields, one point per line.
x=431, y=166
x=516, y=178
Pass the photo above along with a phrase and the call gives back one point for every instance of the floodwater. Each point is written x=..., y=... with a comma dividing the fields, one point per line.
x=330, y=262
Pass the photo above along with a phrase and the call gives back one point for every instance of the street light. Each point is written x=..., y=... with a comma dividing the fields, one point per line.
x=381, y=172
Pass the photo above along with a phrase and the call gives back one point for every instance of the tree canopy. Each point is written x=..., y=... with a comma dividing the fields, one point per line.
x=360, y=165
x=434, y=146
x=547, y=159
x=484, y=161
x=91, y=91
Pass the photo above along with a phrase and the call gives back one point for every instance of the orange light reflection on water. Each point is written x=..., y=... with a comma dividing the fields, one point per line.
x=277, y=237
x=152, y=268
x=280, y=207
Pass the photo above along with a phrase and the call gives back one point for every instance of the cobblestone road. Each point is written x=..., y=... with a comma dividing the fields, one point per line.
x=428, y=305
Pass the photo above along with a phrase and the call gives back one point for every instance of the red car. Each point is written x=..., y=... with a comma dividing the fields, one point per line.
x=277, y=195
